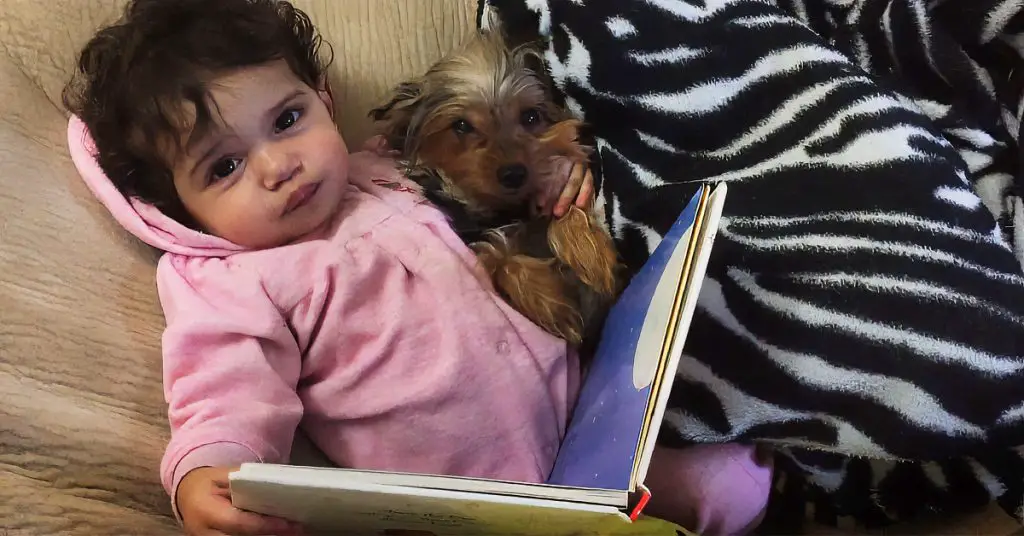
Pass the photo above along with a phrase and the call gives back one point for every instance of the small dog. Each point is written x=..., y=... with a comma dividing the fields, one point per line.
x=481, y=134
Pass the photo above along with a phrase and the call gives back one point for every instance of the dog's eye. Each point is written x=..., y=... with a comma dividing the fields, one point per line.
x=530, y=117
x=462, y=126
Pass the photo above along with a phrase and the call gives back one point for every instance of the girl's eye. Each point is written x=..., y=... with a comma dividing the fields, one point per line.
x=530, y=117
x=286, y=120
x=224, y=168
x=461, y=126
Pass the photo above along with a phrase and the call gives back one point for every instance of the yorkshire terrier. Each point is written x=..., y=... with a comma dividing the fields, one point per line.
x=481, y=134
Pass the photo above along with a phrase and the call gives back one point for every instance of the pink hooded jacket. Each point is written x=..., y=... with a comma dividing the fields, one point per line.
x=382, y=339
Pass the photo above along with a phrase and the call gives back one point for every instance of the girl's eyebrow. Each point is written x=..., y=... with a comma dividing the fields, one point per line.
x=274, y=110
x=200, y=136
x=214, y=148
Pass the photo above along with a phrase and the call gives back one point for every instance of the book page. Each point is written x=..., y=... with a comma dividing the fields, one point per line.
x=343, y=478
x=367, y=509
x=600, y=446
x=676, y=297
x=708, y=223
x=650, y=346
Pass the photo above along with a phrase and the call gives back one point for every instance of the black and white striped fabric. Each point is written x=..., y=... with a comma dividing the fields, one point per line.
x=865, y=301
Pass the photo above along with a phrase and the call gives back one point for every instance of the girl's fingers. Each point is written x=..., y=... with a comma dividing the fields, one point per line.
x=374, y=143
x=250, y=524
x=379, y=144
x=225, y=517
x=572, y=188
x=586, y=191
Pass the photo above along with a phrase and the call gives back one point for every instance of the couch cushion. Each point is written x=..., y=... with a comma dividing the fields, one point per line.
x=79, y=333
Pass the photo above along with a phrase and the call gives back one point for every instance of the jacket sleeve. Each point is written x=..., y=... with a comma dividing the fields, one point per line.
x=230, y=369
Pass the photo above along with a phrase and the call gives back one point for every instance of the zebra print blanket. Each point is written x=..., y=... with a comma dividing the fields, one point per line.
x=864, y=306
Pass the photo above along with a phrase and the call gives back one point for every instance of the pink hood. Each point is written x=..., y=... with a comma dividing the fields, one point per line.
x=141, y=219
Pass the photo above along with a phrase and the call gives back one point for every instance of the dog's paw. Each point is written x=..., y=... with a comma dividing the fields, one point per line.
x=582, y=244
x=492, y=252
x=535, y=288
x=562, y=138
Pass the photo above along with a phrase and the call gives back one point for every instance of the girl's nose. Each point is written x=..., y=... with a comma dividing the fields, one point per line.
x=276, y=167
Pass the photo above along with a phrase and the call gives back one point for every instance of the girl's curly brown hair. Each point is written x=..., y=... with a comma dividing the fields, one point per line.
x=135, y=77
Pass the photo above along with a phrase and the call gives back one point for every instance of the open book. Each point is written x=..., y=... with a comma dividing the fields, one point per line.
x=596, y=485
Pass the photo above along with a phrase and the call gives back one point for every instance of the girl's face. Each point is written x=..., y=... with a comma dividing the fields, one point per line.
x=272, y=167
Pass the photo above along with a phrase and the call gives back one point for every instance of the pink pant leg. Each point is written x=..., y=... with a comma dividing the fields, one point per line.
x=709, y=489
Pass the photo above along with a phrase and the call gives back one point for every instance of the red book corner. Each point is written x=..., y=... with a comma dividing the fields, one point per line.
x=644, y=498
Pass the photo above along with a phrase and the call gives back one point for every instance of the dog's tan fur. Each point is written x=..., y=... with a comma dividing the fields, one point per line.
x=483, y=108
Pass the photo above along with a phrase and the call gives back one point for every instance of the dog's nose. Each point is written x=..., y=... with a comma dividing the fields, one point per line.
x=512, y=175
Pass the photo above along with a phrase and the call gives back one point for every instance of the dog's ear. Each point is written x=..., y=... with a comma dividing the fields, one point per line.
x=520, y=32
x=394, y=118
x=530, y=55
x=535, y=62
x=517, y=27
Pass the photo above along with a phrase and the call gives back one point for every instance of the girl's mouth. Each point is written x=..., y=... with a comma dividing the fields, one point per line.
x=301, y=196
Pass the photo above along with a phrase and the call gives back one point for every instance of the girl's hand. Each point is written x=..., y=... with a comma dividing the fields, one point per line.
x=204, y=502
x=579, y=190
x=378, y=144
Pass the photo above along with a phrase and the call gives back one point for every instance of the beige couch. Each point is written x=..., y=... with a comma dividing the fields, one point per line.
x=82, y=417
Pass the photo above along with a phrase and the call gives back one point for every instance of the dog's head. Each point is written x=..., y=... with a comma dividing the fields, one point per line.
x=485, y=117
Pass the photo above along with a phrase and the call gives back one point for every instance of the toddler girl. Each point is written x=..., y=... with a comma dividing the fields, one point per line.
x=302, y=285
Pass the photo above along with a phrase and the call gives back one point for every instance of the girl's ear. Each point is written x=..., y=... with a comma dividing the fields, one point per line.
x=325, y=94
